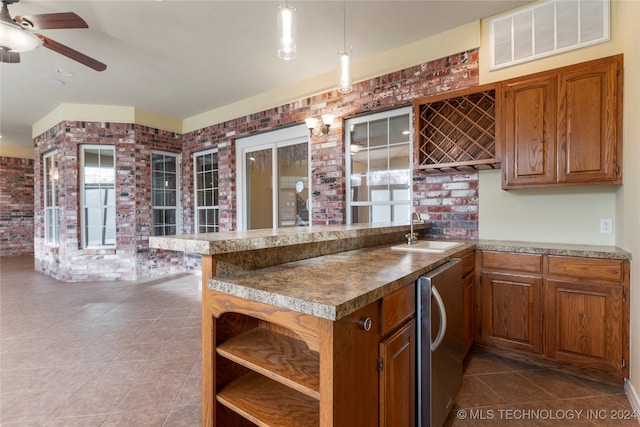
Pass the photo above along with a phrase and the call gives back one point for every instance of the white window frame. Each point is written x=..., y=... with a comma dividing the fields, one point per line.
x=83, y=206
x=50, y=168
x=175, y=207
x=274, y=139
x=408, y=110
x=197, y=208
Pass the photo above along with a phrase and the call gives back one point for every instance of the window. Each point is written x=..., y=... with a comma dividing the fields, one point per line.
x=206, y=187
x=273, y=179
x=51, y=218
x=98, y=196
x=379, y=166
x=164, y=193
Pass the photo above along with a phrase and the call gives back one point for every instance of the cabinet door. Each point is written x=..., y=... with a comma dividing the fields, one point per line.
x=588, y=124
x=529, y=155
x=468, y=312
x=398, y=378
x=586, y=324
x=512, y=311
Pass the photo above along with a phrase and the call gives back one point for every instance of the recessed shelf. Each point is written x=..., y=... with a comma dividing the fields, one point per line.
x=282, y=358
x=268, y=403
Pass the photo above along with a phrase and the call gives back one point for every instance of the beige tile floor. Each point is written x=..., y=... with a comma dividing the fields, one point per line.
x=502, y=392
x=128, y=354
x=98, y=354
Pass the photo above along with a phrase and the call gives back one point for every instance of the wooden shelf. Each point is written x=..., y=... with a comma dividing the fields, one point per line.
x=268, y=403
x=456, y=131
x=278, y=357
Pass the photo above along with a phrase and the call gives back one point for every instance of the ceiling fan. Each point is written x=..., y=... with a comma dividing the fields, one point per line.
x=16, y=35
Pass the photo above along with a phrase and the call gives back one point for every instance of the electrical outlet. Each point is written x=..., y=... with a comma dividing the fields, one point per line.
x=606, y=226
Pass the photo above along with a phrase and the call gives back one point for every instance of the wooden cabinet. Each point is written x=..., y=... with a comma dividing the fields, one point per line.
x=564, y=126
x=398, y=377
x=588, y=313
x=397, y=359
x=467, y=264
x=568, y=310
x=512, y=301
x=270, y=366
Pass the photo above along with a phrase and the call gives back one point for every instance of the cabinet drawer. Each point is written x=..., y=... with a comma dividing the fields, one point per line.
x=589, y=268
x=467, y=264
x=396, y=308
x=529, y=263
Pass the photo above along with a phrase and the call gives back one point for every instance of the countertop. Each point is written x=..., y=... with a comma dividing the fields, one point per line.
x=237, y=241
x=333, y=286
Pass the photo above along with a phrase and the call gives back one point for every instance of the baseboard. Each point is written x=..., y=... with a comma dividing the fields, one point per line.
x=632, y=395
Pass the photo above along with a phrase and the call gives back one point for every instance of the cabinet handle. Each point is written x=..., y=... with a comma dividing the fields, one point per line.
x=365, y=323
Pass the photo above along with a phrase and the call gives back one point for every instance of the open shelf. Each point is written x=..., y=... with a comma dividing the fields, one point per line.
x=268, y=403
x=278, y=357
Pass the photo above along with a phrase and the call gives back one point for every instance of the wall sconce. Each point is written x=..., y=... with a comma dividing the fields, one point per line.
x=325, y=123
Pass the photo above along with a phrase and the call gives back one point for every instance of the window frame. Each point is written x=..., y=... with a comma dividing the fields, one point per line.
x=83, y=205
x=51, y=178
x=387, y=114
x=176, y=208
x=196, y=207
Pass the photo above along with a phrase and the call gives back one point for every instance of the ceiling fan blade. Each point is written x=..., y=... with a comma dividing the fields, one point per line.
x=71, y=53
x=52, y=21
x=9, y=57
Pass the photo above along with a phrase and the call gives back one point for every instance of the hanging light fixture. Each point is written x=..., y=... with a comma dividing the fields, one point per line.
x=287, y=32
x=346, y=80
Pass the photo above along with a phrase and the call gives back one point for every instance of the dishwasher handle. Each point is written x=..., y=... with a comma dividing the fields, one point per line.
x=443, y=319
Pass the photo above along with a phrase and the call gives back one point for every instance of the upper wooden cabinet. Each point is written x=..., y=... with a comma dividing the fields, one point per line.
x=564, y=126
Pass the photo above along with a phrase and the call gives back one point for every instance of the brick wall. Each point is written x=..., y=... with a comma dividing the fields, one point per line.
x=16, y=206
x=450, y=201
x=131, y=258
x=327, y=152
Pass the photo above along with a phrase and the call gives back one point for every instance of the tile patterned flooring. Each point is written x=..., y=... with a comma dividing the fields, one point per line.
x=128, y=354
x=98, y=354
x=501, y=392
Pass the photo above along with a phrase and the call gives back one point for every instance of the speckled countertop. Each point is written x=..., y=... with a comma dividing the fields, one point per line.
x=334, y=286
x=237, y=241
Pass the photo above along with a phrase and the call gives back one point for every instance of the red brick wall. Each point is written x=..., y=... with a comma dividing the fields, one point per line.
x=450, y=201
x=131, y=258
x=16, y=206
x=327, y=152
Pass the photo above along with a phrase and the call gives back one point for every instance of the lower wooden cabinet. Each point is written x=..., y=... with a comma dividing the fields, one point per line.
x=512, y=311
x=569, y=310
x=398, y=377
x=278, y=367
x=585, y=323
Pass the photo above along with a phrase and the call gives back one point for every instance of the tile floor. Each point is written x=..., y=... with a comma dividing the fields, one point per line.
x=128, y=354
x=502, y=392
x=98, y=354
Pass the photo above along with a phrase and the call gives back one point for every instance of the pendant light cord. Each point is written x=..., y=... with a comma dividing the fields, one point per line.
x=344, y=25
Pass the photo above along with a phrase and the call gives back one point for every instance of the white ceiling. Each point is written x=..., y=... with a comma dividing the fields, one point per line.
x=182, y=57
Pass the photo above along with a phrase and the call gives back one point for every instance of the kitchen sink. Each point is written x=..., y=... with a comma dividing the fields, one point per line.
x=435, y=246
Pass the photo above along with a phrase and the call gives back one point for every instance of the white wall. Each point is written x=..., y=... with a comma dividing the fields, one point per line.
x=561, y=215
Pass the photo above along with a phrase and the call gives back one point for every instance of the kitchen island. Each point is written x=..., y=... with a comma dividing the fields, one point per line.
x=316, y=325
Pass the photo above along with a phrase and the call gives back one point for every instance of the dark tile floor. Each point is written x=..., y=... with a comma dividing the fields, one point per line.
x=501, y=392
x=128, y=354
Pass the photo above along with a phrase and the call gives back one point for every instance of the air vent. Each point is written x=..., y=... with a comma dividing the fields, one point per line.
x=546, y=29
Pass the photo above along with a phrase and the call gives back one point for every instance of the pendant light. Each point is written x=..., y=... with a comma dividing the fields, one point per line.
x=344, y=57
x=287, y=32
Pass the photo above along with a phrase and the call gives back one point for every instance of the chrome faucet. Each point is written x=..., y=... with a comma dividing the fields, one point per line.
x=412, y=237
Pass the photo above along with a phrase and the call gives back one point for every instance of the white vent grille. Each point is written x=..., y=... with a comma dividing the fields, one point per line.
x=547, y=28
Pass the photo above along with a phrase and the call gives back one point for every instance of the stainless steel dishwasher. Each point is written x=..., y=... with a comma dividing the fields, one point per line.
x=439, y=346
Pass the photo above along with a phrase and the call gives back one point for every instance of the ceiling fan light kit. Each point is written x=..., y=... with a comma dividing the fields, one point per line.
x=16, y=36
x=16, y=39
